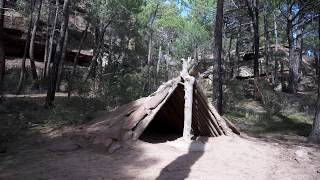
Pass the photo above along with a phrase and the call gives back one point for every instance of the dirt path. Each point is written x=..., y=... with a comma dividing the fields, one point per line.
x=223, y=158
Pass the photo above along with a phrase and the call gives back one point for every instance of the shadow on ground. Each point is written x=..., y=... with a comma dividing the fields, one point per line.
x=180, y=168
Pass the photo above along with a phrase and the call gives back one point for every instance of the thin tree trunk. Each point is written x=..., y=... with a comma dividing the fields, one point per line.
x=253, y=11
x=230, y=60
x=93, y=63
x=159, y=60
x=300, y=40
x=276, y=62
x=238, y=48
x=283, y=84
x=61, y=65
x=217, y=51
x=31, y=49
x=55, y=67
x=99, y=41
x=46, y=52
x=26, y=47
x=266, y=43
x=147, y=83
x=293, y=70
x=2, y=49
x=51, y=40
x=75, y=61
x=256, y=39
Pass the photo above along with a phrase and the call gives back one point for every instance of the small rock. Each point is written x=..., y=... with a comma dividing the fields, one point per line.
x=64, y=147
x=127, y=136
x=115, y=146
x=102, y=141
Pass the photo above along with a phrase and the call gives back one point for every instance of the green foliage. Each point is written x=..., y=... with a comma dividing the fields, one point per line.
x=193, y=36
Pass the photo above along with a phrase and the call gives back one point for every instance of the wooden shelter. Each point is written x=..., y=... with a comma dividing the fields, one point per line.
x=163, y=112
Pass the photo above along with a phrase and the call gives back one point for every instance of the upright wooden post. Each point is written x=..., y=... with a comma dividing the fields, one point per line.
x=188, y=97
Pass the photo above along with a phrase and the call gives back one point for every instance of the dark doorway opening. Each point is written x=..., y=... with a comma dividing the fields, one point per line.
x=167, y=125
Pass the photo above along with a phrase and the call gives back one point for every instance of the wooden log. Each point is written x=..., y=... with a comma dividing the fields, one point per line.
x=232, y=126
x=143, y=123
x=212, y=118
x=188, y=99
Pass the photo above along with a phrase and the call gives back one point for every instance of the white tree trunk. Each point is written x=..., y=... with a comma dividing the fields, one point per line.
x=188, y=97
x=159, y=60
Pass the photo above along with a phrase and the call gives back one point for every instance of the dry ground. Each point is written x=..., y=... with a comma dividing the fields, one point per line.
x=278, y=149
x=223, y=158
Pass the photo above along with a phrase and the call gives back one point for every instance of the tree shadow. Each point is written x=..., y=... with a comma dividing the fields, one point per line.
x=180, y=168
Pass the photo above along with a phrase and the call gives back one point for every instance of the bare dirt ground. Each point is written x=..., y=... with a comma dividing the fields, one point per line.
x=223, y=158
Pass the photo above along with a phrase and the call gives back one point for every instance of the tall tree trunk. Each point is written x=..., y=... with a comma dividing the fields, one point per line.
x=75, y=61
x=148, y=81
x=60, y=71
x=217, y=59
x=99, y=42
x=253, y=10
x=31, y=49
x=315, y=134
x=2, y=50
x=256, y=39
x=96, y=53
x=276, y=62
x=238, y=48
x=188, y=96
x=300, y=40
x=26, y=48
x=55, y=67
x=159, y=59
x=230, y=60
x=46, y=52
x=51, y=40
x=293, y=60
x=266, y=42
x=282, y=79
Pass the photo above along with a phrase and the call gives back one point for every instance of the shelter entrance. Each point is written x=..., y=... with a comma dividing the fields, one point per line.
x=168, y=122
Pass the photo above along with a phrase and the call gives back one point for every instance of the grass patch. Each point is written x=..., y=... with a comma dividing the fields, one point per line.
x=19, y=114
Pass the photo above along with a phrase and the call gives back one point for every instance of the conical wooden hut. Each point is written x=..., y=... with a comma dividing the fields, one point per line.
x=162, y=113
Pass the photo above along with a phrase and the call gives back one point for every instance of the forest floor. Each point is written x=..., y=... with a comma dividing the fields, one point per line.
x=273, y=148
x=220, y=158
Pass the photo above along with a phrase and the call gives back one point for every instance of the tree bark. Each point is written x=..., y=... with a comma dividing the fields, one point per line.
x=99, y=42
x=253, y=10
x=51, y=40
x=256, y=39
x=238, y=48
x=188, y=96
x=75, y=61
x=147, y=83
x=26, y=47
x=64, y=49
x=31, y=49
x=315, y=134
x=159, y=59
x=230, y=60
x=276, y=62
x=266, y=42
x=58, y=56
x=46, y=52
x=217, y=64
x=293, y=60
x=2, y=49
